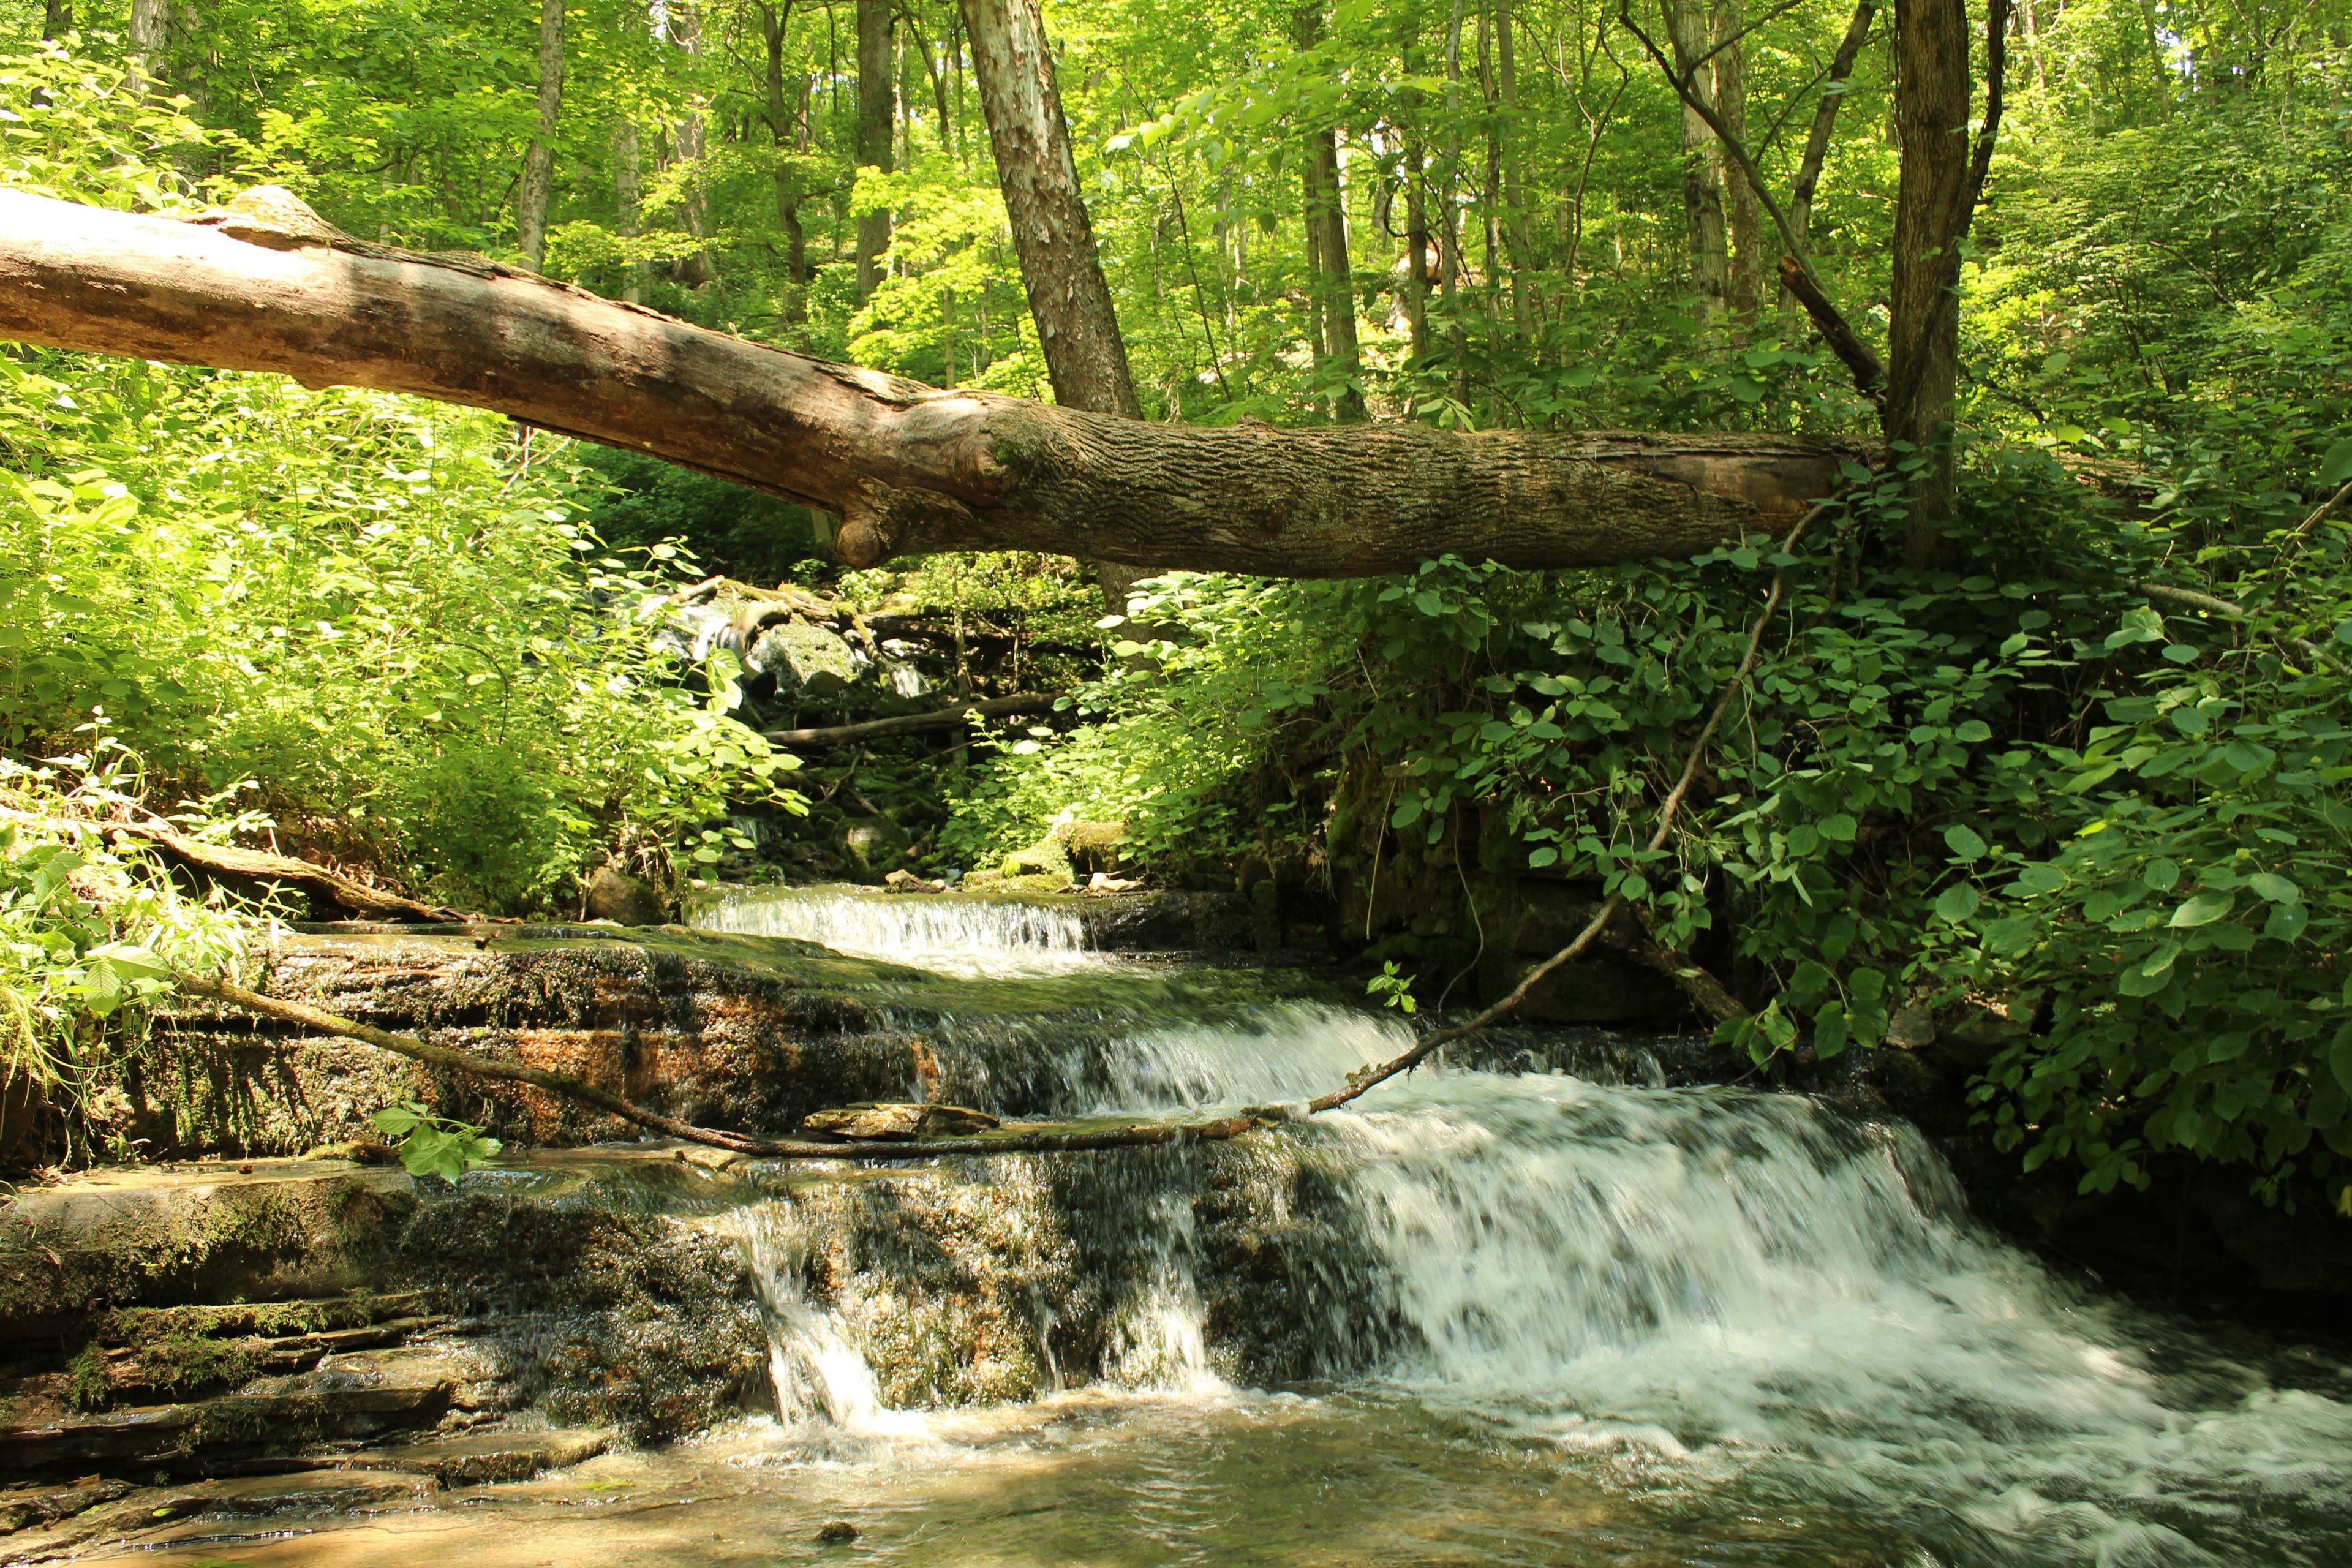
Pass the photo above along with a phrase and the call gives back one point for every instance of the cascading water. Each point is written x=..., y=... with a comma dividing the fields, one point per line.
x=962, y=937
x=1704, y=1300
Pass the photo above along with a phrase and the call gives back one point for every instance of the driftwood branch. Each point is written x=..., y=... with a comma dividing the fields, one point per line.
x=1359, y=1083
x=958, y=716
x=1012, y=1139
x=228, y=859
x=909, y=469
x=1018, y=1139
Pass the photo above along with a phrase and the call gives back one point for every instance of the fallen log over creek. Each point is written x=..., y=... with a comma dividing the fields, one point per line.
x=910, y=468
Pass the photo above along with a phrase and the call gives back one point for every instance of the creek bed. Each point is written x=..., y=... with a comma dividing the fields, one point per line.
x=1502, y=1312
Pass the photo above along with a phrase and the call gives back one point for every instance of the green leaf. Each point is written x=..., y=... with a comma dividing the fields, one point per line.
x=2278, y=889
x=1964, y=842
x=2202, y=910
x=1958, y=901
x=1839, y=828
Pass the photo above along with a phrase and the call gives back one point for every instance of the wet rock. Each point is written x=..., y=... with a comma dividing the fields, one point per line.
x=482, y=1459
x=808, y=662
x=837, y=1532
x=1048, y=859
x=614, y=895
x=897, y=1120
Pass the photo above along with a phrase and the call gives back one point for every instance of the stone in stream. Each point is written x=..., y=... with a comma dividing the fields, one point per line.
x=615, y=895
x=893, y=1120
x=837, y=1532
x=808, y=662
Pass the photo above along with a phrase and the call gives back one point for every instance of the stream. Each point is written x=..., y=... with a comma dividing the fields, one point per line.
x=1499, y=1317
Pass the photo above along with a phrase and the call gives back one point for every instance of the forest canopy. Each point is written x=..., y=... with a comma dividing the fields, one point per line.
x=2047, y=738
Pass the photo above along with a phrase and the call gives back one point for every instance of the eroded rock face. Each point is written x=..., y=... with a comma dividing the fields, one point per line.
x=746, y=1033
x=192, y=1320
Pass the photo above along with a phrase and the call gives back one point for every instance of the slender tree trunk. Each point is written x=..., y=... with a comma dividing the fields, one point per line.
x=784, y=133
x=1825, y=114
x=1085, y=357
x=688, y=140
x=629, y=191
x=1524, y=285
x=150, y=36
x=1747, y=222
x=1061, y=270
x=938, y=85
x=57, y=19
x=1703, y=214
x=2033, y=25
x=877, y=115
x=910, y=469
x=538, y=163
x=1327, y=231
x=1416, y=244
x=2163, y=72
x=1932, y=98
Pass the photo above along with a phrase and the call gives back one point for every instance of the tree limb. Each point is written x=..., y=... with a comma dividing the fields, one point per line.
x=1869, y=372
x=1825, y=114
x=953, y=717
x=910, y=468
x=1362, y=1082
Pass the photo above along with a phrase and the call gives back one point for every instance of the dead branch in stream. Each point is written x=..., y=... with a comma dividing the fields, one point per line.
x=1034, y=1140
x=960, y=716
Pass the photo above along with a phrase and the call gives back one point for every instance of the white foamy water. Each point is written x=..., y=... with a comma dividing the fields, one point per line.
x=1744, y=1302
x=968, y=938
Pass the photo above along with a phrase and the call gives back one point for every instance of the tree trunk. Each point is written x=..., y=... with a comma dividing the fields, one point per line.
x=1069, y=298
x=1825, y=114
x=1747, y=222
x=1710, y=259
x=629, y=192
x=1085, y=357
x=1515, y=205
x=1931, y=213
x=909, y=469
x=877, y=115
x=150, y=35
x=784, y=132
x=57, y=19
x=538, y=163
x=1334, y=279
x=694, y=205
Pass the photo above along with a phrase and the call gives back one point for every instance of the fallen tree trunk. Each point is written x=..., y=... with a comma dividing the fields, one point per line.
x=266, y=286
x=955, y=718
x=260, y=866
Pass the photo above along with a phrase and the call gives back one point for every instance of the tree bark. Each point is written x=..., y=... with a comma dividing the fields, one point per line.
x=538, y=163
x=150, y=35
x=877, y=115
x=57, y=19
x=1085, y=357
x=1941, y=179
x=1061, y=270
x=1710, y=258
x=1327, y=230
x=694, y=205
x=1825, y=114
x=909, y=469
x=784, y=132
x=629, y=193
x=1745, y=291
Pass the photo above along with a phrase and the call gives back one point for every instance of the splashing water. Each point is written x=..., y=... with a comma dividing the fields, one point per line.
x=1747, y=1299
x=964, y=937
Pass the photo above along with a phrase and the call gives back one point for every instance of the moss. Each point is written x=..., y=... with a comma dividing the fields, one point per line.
x=88, y=1388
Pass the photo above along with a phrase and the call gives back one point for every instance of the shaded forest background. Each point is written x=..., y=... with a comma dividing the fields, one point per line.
x=2077, y=802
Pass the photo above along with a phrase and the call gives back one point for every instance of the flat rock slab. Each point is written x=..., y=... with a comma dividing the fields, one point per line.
x=479, y=1459
x=897, y=1120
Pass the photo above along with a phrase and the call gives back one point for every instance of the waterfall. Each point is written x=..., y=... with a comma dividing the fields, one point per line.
x=966, y=936
x=1752, y=1303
